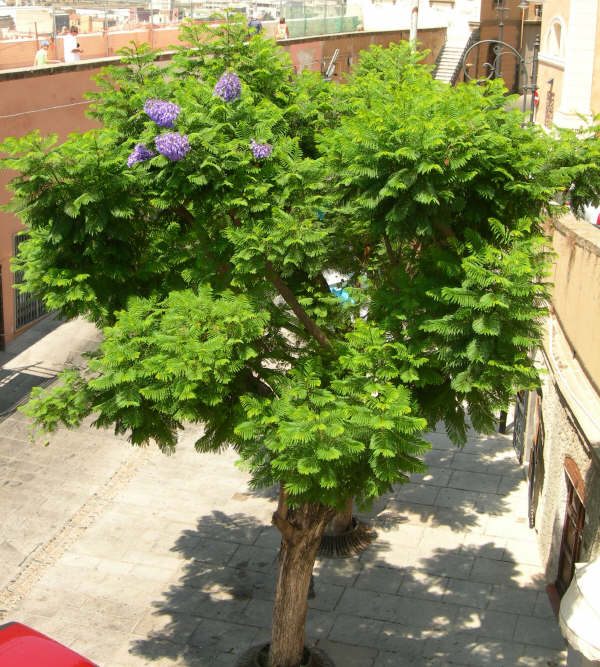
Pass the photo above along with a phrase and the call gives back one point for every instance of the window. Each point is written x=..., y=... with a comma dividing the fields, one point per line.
x=573, y=527
x=538, y=11
x=554, y=43
x=535, y=473
x=27, y=308
x=519, y=423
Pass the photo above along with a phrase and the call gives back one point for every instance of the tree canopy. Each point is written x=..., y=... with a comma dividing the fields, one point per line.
x=198, y=225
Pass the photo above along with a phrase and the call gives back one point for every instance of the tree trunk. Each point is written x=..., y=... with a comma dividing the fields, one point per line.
x=342, y=521
x=301, y=531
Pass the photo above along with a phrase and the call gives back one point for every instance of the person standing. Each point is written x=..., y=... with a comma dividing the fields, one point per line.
x=283, y=31
x=255, y=24
x=72, y=49
x=41, y=55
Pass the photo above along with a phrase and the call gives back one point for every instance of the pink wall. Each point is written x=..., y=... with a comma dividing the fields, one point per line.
x=26, y=105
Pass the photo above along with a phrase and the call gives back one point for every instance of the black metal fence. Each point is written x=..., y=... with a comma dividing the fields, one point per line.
x=520, y=423
x=27, y=308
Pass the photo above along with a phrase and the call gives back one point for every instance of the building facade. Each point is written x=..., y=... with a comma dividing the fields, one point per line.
x=509, y=22
x=557, y=429
x=569, y=62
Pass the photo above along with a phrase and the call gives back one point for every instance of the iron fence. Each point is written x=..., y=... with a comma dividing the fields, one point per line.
x=27, y=307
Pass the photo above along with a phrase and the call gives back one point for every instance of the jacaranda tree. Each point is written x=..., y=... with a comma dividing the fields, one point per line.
x=197, y=225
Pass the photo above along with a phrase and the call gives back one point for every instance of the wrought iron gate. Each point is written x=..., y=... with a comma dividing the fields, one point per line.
x=2, y=342
x=27, y=307
x=519, y=423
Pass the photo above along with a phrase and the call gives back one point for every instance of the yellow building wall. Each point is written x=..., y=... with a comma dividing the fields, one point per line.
x=550, y=93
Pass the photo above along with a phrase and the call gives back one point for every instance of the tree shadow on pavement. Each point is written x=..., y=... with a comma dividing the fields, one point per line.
x=222, y=602
x=458, y=606
x=432, y=589
x=462, y=487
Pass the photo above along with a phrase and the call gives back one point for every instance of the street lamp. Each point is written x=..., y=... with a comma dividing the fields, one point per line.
x=500, y=9
x=498, y=46
x=523, y=5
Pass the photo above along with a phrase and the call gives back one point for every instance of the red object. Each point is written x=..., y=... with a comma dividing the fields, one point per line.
x=598, y=220
x=21, y=646
x=536, y=98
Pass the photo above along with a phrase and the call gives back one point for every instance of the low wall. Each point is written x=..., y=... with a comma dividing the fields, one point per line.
x=576, y=293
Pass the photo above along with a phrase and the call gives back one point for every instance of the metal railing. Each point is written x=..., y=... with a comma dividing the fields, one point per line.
x=27, y=308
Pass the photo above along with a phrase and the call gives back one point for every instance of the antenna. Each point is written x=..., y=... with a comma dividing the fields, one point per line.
x=331, y=66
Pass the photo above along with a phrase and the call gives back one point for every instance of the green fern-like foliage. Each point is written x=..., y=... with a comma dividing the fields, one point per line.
x=206, y=273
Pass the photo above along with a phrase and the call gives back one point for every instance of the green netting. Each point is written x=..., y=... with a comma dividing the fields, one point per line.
x=321, y=25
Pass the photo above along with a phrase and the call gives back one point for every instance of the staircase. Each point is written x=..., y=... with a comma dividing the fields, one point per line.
x=449, y=60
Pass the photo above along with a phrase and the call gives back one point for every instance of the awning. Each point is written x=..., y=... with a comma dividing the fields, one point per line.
x=579, y=614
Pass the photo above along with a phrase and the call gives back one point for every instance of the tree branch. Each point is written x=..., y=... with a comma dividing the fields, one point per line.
x=312, y=327
x=279, y=518
x=185, y=214
x=390, y=253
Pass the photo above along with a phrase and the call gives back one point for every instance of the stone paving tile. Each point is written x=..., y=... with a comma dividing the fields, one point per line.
x=342, y=572
x=469, y=463
x=543, y=607
x=522, y=551
x=487, y=623
x=467, y=593
x=403, y=640
x=474, y=481
x=536, y=656
x=268, y=538
x=450, y=498
x=504, y=526
x=435, y=476
x=468, y=519
x=352, y=629
x=423, y=585
x=491, y=571
x=368, y=604
x=446, y=564
x=379, y=579
x=434, y=536
x=347, y=655
x=326, y=595
x=439, y=458
x=252, y=558
x=423, y=494
x=538, y=631
x=510, y=598
x=484, y=546
x=475, y=652
x=392, y=555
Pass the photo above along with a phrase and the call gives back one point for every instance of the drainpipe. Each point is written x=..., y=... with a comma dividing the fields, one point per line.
x=414, y=19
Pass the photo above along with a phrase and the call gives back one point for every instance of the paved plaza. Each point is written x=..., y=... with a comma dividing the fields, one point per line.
x=135, y=558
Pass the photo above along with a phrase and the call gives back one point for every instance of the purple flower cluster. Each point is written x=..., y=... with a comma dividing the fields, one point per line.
x=172, y=145
x=260, y=151
x=228, y=87
x=164, y=114
x=139, y=154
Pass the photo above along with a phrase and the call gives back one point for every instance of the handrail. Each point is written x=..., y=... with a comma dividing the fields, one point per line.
x=472, y=40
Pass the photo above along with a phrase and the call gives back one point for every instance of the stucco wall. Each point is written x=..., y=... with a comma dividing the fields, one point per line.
x=595, y=102
x=50, y=104
x=576, y=293
x=562, y=439
x=550, y=68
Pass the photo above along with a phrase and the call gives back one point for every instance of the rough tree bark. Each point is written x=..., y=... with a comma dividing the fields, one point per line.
x=342, y=521
x=301, y=530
